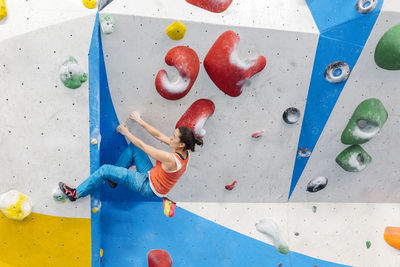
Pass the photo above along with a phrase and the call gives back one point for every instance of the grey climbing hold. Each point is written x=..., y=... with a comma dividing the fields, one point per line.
x=337, y=72
x=291, y=115
x=366, y=6
x=317, y=184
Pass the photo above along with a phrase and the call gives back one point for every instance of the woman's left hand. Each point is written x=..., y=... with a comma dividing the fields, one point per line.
x=123, y=129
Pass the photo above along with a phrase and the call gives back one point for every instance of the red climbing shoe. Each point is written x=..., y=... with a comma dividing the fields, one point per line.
x=68, y=191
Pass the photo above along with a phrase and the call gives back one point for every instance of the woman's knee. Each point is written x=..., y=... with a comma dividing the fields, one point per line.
x=105, y=169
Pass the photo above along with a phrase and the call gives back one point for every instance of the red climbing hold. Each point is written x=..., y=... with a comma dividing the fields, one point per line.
x=257, y=134
x=231, y=186
x=159, y=258
x=196, y=116
x=216, y=6
x=186, y=61
x=228, y=72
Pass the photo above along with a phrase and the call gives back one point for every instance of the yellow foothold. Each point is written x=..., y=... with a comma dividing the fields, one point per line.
x=96, y=207
x=3, y=9
x=94, y=141
x=89, y=3
x=176, y=30
x=101, y=252
x=15, y=205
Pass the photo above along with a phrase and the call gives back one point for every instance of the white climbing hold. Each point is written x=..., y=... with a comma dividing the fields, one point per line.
x=270, y=228
x=58, y=195
x=15, y=205
x=107, y=24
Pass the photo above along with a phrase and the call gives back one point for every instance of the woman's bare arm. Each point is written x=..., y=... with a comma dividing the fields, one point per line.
x=150, y=129
x=157, y=154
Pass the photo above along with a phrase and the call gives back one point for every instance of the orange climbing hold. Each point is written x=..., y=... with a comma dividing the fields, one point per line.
x=392, y=236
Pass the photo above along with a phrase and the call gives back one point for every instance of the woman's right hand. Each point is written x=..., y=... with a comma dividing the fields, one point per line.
x=135, y=116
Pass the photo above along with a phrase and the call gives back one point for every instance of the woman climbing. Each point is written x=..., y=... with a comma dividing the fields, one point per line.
x=146, y=180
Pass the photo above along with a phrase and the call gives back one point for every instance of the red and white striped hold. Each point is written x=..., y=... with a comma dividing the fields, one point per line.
x=196, y=116
x=187, y=63
x=228, y=72
x=216, y=6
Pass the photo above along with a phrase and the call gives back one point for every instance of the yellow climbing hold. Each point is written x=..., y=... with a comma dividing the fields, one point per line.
x=96, y=206
x=176, y=30
x=101, y=252
x=3, y=9
x=15, y=205
x=89, y=3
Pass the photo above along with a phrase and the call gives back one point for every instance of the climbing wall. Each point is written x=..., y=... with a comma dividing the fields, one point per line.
x=269, y=85
x=135, y=52
x=378, y=182
x=292, y=38
x=44, y=133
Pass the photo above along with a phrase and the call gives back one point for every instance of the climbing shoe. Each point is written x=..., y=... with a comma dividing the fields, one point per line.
x=68, y=191
x=112, y=184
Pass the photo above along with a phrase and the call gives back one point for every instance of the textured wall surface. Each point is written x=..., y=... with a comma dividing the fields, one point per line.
x=134, y=54
x=380, y=180
x=44, y=136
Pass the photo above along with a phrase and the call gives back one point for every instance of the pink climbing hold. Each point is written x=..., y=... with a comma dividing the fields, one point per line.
x=216, y=6
x=196, y=116
x=186, y=61
x=231, y=186
x=228, y=72
x=159, y=258
x=257, y=134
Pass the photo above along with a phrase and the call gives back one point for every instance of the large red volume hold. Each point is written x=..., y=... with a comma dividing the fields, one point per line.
x=159, y=258
x=186, y=61
x=196, y=116
x=216, y=6
x=228, y=72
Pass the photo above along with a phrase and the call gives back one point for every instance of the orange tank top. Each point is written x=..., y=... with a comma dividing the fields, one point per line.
x=163, y=181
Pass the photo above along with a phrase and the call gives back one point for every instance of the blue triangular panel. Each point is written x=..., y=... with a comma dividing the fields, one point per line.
x=344, y=33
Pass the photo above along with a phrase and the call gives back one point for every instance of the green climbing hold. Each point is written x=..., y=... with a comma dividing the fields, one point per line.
x=72, y=74
x=368, y=244
x=314, y=209
x=107, y=24
x=366, y=121
x=387, y=51
x=353, y=159
x=283, y=249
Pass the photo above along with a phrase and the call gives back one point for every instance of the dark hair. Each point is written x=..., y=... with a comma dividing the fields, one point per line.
x=187, y=137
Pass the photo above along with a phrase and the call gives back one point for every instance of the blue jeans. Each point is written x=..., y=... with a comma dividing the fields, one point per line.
x=119, y=173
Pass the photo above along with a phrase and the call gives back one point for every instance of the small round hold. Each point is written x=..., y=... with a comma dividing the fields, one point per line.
x=337, y=72
x=317, y=184
x=366, y=6
x=291, y=115
x=93, y=141
x=304, y=152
